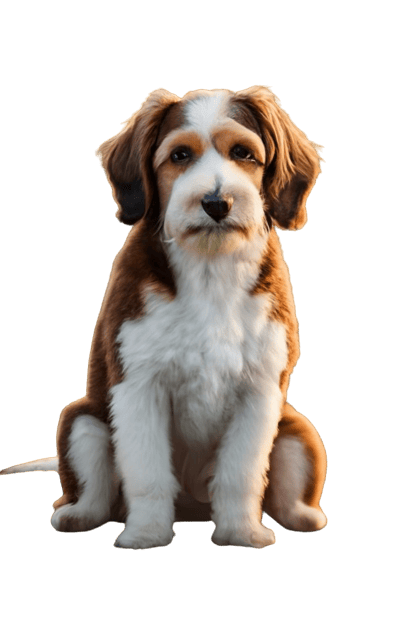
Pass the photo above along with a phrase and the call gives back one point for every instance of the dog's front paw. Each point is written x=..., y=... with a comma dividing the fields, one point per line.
x=256, y=536
x=132, y=538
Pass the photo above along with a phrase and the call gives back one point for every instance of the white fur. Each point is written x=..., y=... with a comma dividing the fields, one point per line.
x=289, y=455
x=44, y=465
x=184, y=210
x=290, y=470
x=209, y=361
x=207, y=111
x=141, y=417
x=212, y=172
x=243, y=458
x=89, y=454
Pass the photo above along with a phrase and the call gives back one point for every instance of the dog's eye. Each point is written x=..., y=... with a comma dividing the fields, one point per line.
x=182, y=154
x=239, y=152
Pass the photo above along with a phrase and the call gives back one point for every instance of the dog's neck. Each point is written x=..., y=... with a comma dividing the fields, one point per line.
x=217, y=276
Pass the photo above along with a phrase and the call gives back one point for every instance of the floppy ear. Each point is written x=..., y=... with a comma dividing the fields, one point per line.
x=292, y=161
x=127, y=156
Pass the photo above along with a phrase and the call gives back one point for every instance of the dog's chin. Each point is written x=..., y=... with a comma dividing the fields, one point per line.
x=209, y=241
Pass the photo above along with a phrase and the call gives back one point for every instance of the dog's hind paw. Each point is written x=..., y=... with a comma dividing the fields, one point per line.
x=303, y=518
x=74, y=518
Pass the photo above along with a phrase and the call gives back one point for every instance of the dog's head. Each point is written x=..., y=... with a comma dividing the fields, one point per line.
x=211, y=168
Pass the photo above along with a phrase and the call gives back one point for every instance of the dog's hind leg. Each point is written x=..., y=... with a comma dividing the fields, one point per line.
x=87, y=473
x=296, y=475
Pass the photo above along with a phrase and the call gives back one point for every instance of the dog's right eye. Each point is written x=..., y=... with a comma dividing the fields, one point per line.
x=181, y=155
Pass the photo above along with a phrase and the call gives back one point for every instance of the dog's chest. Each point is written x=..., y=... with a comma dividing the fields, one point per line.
x=202, y=348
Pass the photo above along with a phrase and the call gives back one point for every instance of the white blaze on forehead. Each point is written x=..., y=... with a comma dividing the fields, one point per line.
x=207, y=111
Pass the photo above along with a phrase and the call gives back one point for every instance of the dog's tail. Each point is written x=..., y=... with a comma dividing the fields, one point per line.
x=49, y=464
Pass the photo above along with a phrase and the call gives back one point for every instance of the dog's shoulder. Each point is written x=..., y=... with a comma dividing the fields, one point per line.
x=274, y=281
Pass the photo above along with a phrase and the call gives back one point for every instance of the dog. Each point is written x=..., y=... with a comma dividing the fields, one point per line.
x=185, y=415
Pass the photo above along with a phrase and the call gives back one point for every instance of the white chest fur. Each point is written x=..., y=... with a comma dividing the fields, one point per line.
x=205, y=348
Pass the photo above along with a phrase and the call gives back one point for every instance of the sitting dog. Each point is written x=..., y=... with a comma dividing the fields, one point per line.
x=185, y=415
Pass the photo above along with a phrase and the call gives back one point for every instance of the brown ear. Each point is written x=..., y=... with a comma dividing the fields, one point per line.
x=127, y=156
x=292, y=161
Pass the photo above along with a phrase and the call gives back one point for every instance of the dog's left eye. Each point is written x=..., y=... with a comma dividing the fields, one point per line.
x=182, y=154
x=239, y=152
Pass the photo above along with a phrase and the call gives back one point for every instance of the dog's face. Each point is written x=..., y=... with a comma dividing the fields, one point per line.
x=213, y=168
x=209, y=172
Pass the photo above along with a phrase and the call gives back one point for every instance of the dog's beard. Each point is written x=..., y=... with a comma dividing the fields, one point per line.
x=212, y=240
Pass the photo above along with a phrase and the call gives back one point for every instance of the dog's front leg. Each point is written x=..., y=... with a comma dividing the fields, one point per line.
x=239, y=480
x=141, y=416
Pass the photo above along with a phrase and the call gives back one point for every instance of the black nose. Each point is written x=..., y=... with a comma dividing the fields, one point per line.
x=215, y=206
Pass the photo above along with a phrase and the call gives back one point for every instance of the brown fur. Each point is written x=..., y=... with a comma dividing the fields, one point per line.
x=172, y=120
x=290, y=169
x=224, y=138
x=199, y=469
x=178, y=139
x=142, y=259
x=295, y=424
x=128, y=156
x=274, y=279
x=292, y=162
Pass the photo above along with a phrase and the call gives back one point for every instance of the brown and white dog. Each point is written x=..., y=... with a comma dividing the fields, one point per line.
x=185, y=415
